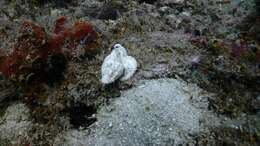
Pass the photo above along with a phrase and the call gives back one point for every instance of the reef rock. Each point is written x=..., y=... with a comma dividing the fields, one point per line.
x=15, y=123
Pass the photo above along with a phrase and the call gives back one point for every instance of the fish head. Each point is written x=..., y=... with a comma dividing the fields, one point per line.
x=119, y=50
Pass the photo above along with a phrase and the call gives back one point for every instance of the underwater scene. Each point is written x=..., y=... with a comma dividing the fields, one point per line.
x=129, y=72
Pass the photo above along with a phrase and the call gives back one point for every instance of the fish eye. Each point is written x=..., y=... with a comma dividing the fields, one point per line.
x=117, y=46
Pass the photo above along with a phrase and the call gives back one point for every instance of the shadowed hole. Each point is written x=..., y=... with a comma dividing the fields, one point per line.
x=82, y=115
x=147, y=1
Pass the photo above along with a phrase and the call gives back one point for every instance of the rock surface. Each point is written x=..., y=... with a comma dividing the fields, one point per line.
x=15, y=123
x=157, y=112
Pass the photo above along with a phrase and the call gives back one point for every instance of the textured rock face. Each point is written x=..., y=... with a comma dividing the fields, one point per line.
x=171, y=2
x=15, y=123
x=162, y=112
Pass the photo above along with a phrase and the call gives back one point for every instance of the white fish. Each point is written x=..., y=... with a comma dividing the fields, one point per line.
x=112, y=68
x=120, y=50
x=118, y=65
x=130, y=65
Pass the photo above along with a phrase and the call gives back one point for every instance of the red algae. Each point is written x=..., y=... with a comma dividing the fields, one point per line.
x=60, y=25
x=33, y=34
x=35, y=47
x=27, y=49
x=79, y=35
x=85, y=35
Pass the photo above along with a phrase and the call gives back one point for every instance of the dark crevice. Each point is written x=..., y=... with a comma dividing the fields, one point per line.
x=111, y=11
x=82, y=115
x=147, y=1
